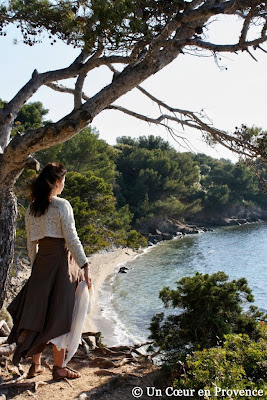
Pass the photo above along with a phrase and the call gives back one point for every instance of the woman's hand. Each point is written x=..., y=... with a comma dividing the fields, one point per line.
x=87, y=276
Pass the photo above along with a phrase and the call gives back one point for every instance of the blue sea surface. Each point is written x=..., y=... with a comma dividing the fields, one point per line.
x=130, y=300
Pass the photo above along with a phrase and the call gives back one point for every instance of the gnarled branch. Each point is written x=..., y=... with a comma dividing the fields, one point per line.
x=229, y=48
x=192, y=120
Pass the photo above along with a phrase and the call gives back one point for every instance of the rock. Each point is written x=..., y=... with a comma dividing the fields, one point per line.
x=167, y=236
x=123, y=270
x=242, y=221
x=170, y=227
x=189, y=230
x=83, y=396
x=231, y=221
x=102, y=363
x=154, y=239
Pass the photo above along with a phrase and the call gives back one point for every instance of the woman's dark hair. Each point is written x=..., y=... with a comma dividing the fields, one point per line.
x=43, y=185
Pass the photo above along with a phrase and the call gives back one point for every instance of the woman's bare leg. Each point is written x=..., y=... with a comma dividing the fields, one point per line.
x=36, y=367
x=36, y=359
x=59, y=356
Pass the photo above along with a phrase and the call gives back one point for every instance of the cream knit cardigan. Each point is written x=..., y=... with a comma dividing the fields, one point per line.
x=58, y=222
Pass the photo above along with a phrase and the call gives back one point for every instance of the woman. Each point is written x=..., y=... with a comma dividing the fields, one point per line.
x=43, y=309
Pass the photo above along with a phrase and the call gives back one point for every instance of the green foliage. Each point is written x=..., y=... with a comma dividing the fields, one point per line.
x=135, y=239
x=88, y=187
x=208, y=307
x=30, y=116
x=225, y=185
x=85, y=152
x=119, y=24
x=154, y=178
x=240, y=363
x=148, y=177
x=98, y=222
x=175, y=208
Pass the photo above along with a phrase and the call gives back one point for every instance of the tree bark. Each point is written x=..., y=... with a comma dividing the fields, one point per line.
x=8, y=215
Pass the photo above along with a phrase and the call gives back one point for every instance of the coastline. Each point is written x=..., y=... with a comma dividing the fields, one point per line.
x=103, y=265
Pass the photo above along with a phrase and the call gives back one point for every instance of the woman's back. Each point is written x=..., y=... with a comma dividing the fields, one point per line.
x=57, y=222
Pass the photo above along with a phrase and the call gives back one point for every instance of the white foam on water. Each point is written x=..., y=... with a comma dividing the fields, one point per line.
x=117, y=332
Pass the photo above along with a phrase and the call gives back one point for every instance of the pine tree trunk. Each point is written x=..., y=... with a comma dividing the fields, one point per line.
x=8, y=215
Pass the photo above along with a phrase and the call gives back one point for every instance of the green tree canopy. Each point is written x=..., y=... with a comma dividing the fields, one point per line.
x=206, y=307
x=226, y=185
x=154, y=176
x=83, y=153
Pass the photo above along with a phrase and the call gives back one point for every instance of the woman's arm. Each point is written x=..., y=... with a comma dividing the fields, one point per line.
x=70, y=235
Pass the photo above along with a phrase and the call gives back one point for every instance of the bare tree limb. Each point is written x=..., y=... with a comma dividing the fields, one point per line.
x=78, y=90
x=265, y=51
x=251, y=55
x=183, y=26
x=246, y=26
x=64, y=89
x=230, y=48
x=191, y=121
x=10, y=112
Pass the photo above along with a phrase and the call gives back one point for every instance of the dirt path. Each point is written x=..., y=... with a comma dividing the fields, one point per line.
x=99, y=379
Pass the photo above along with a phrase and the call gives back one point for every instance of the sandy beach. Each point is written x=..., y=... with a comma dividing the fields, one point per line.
x=104, y=264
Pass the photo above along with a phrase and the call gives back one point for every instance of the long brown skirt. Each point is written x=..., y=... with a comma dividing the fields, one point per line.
x=43, y=308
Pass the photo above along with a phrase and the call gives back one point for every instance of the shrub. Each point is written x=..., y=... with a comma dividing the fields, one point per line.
x=206, y=307
x=240, y=363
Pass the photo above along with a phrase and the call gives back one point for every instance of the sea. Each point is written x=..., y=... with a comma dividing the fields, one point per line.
x=129, y=300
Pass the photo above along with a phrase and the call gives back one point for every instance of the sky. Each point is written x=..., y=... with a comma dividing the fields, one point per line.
x=231, y=94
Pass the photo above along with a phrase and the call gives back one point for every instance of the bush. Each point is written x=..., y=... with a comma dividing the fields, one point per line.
x=207, y=307
x=239, y=364
x=135, y=239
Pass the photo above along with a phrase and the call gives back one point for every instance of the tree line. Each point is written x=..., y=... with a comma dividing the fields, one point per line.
x=115, y=190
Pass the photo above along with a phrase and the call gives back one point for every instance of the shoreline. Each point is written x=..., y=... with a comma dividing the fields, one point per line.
x=103, y=265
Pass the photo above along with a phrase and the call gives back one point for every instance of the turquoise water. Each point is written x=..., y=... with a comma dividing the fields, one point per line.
x=130, y=300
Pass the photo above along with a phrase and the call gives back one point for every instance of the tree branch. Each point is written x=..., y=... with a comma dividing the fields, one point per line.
x=246, y=26
x=159, y=54
x=79, y=90
x=230, y=48
x=37, y=80
x=64, y=89
x=190, y=119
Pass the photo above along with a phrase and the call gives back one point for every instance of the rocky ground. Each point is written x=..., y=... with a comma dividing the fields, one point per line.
x=106, y=373
x=171, y=228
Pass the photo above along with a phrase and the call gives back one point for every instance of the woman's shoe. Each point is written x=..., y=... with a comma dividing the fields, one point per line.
x=33, y=371
x=71, y=373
